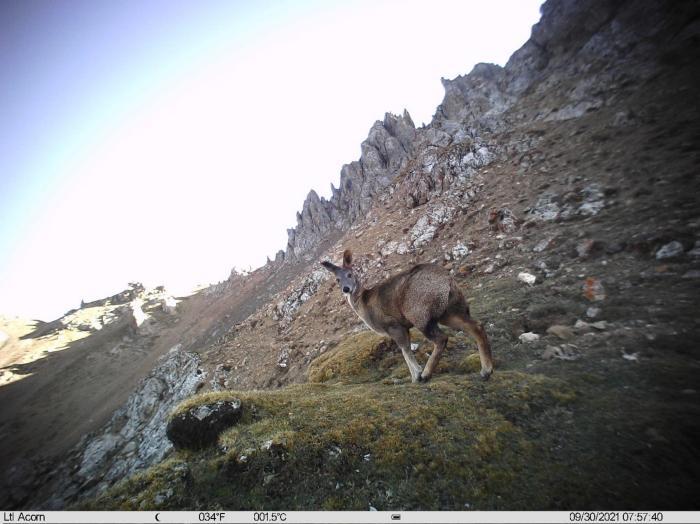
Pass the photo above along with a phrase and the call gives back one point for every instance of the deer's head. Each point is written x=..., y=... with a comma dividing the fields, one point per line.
x=345, y=276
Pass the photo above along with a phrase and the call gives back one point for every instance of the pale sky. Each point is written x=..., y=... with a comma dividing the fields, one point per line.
x=168, y=141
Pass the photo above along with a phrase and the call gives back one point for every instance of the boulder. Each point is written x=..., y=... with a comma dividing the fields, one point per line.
x=200, y=426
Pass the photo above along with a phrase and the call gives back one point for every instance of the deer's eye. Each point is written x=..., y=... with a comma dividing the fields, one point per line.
x=337, y=280
x=349, y=275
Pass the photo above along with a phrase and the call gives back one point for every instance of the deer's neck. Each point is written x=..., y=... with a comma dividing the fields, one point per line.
x=358, y=306
x=355, y=300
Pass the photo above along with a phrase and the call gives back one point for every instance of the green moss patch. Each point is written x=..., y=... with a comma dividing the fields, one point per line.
x=363, y=357
x=456, y=442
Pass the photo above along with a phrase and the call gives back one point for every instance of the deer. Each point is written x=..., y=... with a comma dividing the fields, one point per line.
x=421, y=297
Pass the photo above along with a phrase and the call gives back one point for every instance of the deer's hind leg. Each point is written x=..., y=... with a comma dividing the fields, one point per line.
x=402, y=337
x=433, y=333
x=461, y=321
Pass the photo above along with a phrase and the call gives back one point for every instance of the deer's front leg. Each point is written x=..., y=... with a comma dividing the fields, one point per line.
x=403, y=339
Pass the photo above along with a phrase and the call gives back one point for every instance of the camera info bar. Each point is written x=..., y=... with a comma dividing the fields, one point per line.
x=342, y=517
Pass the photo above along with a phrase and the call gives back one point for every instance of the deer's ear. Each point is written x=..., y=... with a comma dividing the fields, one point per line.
x=329, y=266
x=347, y=258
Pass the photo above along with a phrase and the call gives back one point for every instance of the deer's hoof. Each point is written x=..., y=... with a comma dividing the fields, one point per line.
x=486, y=374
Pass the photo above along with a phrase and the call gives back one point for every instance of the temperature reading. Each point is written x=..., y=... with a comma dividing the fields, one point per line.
x=211, y=516
x=269, y=516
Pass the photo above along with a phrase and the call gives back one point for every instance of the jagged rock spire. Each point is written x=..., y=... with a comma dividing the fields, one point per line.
x=385, y=151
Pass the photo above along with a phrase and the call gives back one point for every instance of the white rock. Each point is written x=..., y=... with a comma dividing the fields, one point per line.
x=202, y=412
x=459, y=251
x=483, y=156
x=427, y=225
x=581, y=324
x=422, y=232
x=593, y=200
x=545, y=208
x=633, y=357
x=670, y=250
x=402, y=248
x=283, y=358
x=592, y=312
x=527, y=278
x=389, y=249
x=528, y=337
x=542, y=245
x=591, y=208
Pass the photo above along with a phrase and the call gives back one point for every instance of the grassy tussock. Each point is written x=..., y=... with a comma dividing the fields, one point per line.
x=365, y=356
x=368, y=357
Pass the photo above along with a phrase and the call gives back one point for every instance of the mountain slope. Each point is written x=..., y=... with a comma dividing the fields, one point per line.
x=575, y=164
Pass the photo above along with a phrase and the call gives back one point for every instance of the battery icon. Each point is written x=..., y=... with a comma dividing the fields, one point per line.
x=395, y=516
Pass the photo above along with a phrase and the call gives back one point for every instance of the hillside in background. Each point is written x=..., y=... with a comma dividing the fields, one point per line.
x=560, y=191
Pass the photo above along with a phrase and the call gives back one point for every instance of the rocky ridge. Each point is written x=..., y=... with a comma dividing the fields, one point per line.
x=133, y=439
x=575, y=71
x=384, y=154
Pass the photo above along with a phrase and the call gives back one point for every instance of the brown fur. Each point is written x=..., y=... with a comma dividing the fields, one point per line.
x=422, y=297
